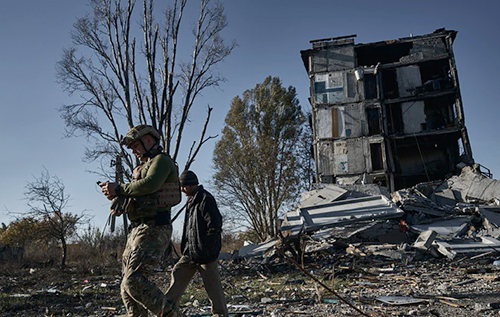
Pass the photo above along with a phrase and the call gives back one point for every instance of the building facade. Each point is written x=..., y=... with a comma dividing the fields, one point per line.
x=387, y=112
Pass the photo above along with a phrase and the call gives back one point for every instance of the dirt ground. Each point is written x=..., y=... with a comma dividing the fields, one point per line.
x=274, y=287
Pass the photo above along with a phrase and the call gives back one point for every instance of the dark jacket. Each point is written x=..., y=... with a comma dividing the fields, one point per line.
x=201, y=236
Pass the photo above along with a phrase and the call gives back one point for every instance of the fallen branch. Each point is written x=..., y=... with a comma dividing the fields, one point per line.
x=450, y=303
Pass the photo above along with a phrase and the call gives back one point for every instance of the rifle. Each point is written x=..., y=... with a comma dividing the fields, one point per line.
x=118, y=204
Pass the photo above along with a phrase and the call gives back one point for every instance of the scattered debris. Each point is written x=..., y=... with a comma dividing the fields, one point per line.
x=332, y=214
x=400, y=300
x=419, y=245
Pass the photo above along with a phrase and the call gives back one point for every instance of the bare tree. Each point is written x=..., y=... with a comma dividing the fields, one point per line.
x=123, y=83
x=47, y=200
x=262, y=159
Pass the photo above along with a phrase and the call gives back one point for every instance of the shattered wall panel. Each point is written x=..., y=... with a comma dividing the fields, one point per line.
x=413, y=116
x=408, y=79
x=349, y=121
x=324, y=122
x=325, y=194
x=341, y=163
x=485, y=190
x=354, y=156
x=446, y=228
x=343, y=121
x=329, y=88
x=333, y=59
x=325, y=158
x=430, y=47
x=348, y=211
x=349, y=156
x=335, y=87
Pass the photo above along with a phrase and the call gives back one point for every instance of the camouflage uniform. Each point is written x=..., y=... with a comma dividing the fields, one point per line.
x=146, y=244
x=149, y=236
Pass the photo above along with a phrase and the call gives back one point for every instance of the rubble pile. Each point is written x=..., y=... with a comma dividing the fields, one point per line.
x=432, y=249
x=456, y=217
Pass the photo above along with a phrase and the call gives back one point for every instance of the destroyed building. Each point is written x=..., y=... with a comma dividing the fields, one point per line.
x=388, y=112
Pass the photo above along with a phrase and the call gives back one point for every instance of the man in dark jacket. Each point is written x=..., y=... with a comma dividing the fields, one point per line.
x=200, y=245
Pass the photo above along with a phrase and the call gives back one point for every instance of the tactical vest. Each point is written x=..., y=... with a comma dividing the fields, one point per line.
x=167, y=196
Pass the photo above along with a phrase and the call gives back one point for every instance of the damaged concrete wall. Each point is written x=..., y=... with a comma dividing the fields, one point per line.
x=352, y=157
x=408, y=79
x=332, y=58
x=413, y=116
x=404, y=91
x=334, y=87
x=342, y=121
x=362, y=153
x=426, y=48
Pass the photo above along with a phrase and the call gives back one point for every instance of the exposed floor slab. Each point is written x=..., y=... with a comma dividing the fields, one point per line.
x=326, y=194
x=449, y=228
x=347, y=211
x=469, y=246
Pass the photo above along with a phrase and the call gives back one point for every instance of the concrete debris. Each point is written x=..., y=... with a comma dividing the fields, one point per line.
x=445, y=197
x=332, y=214
x=387, y=231
x=491, y=216
x=472, y=186
x=469, y=246
x=412, y=200
x=391, y=251
x=449, y=228
x=425, y=239
x=256, y=249
x=400, y=300
x=323, y=194
x=480, y=307
x=454, y=218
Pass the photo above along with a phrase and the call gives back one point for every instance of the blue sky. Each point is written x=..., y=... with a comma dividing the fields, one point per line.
x=270, y=35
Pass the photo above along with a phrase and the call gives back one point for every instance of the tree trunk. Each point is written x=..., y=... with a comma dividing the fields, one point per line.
x=64, y=250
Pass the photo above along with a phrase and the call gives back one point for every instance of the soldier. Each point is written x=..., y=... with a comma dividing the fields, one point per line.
x=147, y=205
x=200, y=245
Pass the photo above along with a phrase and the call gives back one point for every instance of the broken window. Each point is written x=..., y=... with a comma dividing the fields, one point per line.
x=373, y=119
x=435, y=76
x=376, y=156
x=351, y=85
x=435, y=69
x=440, y=112
x=390, y=84
x=409, y=79
x=370, y=85
x=380, y=180
x=394, y=118
x=384, y=53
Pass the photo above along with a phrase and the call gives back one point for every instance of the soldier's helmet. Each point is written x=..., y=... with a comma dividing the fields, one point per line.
x=137, y=132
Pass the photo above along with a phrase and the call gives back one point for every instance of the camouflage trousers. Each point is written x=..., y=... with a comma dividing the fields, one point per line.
x=145, y=247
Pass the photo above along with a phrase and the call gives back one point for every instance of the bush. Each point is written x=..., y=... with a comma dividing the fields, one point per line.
x=93, y=247
x=232, y=241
